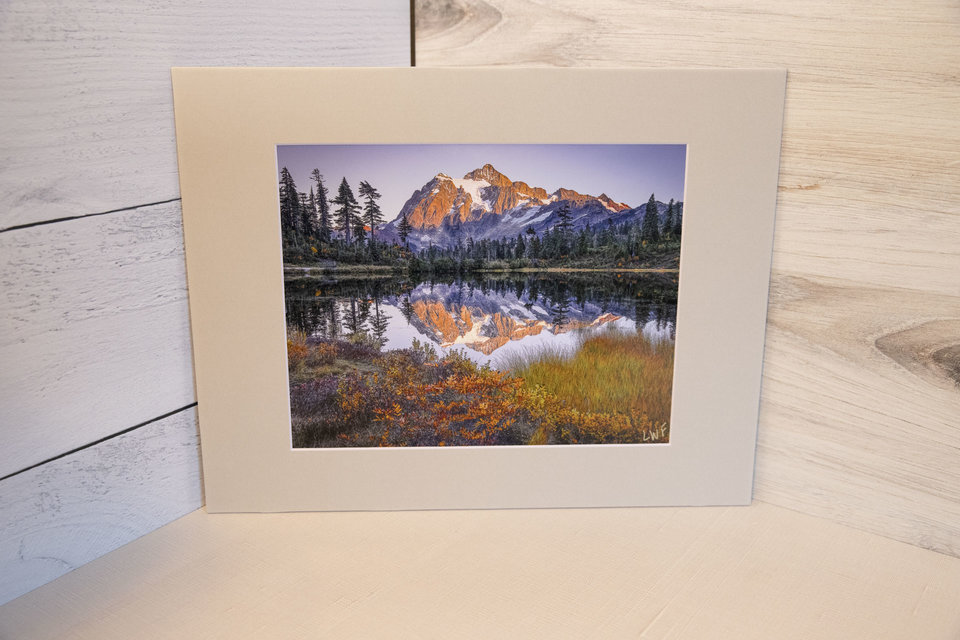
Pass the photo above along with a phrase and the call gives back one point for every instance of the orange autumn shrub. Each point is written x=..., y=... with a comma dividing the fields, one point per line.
x=416, y=402
x=321, y=354
x=297, y=352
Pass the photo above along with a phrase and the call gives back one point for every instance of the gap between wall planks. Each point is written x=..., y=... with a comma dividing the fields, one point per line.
x=27, y=225
x=96, y=442
x=88, y=117
x=860, y=405
x=118, y=490
x=91, y=257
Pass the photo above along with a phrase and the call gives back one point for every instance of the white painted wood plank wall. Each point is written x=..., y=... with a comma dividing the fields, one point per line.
x=860, y=408
x=94, y=332
x=87, y=111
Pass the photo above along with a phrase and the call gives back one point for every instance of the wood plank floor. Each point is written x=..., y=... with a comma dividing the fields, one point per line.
x=733, y=572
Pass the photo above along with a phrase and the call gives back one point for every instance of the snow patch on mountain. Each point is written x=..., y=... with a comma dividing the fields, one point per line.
x=473, y=187
x=471, y=337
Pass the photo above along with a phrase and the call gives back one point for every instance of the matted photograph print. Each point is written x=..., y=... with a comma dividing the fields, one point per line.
x=479, y=295
x=442, y=325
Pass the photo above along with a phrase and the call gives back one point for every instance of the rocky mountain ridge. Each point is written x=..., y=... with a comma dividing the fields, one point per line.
x=486, y=204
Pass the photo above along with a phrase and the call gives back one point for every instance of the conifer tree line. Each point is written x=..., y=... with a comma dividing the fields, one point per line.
x=603, y=244
x=315, y=225
x=343, y=228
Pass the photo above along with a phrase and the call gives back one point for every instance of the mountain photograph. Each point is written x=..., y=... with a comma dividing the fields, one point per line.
x=530, y=301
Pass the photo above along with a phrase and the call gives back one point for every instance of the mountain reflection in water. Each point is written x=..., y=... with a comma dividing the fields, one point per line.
x=489, y=318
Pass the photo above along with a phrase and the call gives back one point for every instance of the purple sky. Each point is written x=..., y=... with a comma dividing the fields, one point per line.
x=626, y=173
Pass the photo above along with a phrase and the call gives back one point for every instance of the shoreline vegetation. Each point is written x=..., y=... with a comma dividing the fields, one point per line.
x=359, y=270
x=662, y=257
x=613, y=388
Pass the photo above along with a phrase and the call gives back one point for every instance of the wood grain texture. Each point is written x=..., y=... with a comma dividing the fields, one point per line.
x=859, y=418
x=65, y=513
x=860, y=410
x=87, y=116
x=753, y=572
x=96, y=329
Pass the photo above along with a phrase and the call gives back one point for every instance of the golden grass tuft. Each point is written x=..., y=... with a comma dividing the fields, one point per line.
x=612, y=373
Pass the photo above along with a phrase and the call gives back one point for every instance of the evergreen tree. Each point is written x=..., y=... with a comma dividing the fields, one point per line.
x=606, y=236
x=347, y=211
x=371, y=210
x=302, y=221
x=534, y=247
x=548, y=244
x=323, y=208
x=668, y=221
x=650, y=229
x=359, y=230
x=564, y=225
x=519, y=248
x=583, y=240
x=404, y=228
x=289, y=206
x=310, y=216
x=563, y=230
x=678, y=212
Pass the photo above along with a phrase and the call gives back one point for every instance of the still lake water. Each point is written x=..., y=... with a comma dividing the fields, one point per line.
x=488, y=317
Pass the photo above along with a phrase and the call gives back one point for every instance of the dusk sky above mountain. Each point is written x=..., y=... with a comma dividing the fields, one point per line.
x=626, y=173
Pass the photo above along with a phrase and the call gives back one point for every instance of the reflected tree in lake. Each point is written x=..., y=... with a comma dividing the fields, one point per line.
x=406, y=308
x=560, y=312
x=379, y=324
x=351, y=321
x=333, y=313
x=363, y=310
x=518, y=288
x=533, y=291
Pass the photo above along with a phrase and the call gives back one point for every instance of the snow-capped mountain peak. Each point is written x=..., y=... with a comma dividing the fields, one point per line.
x=485, y=203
